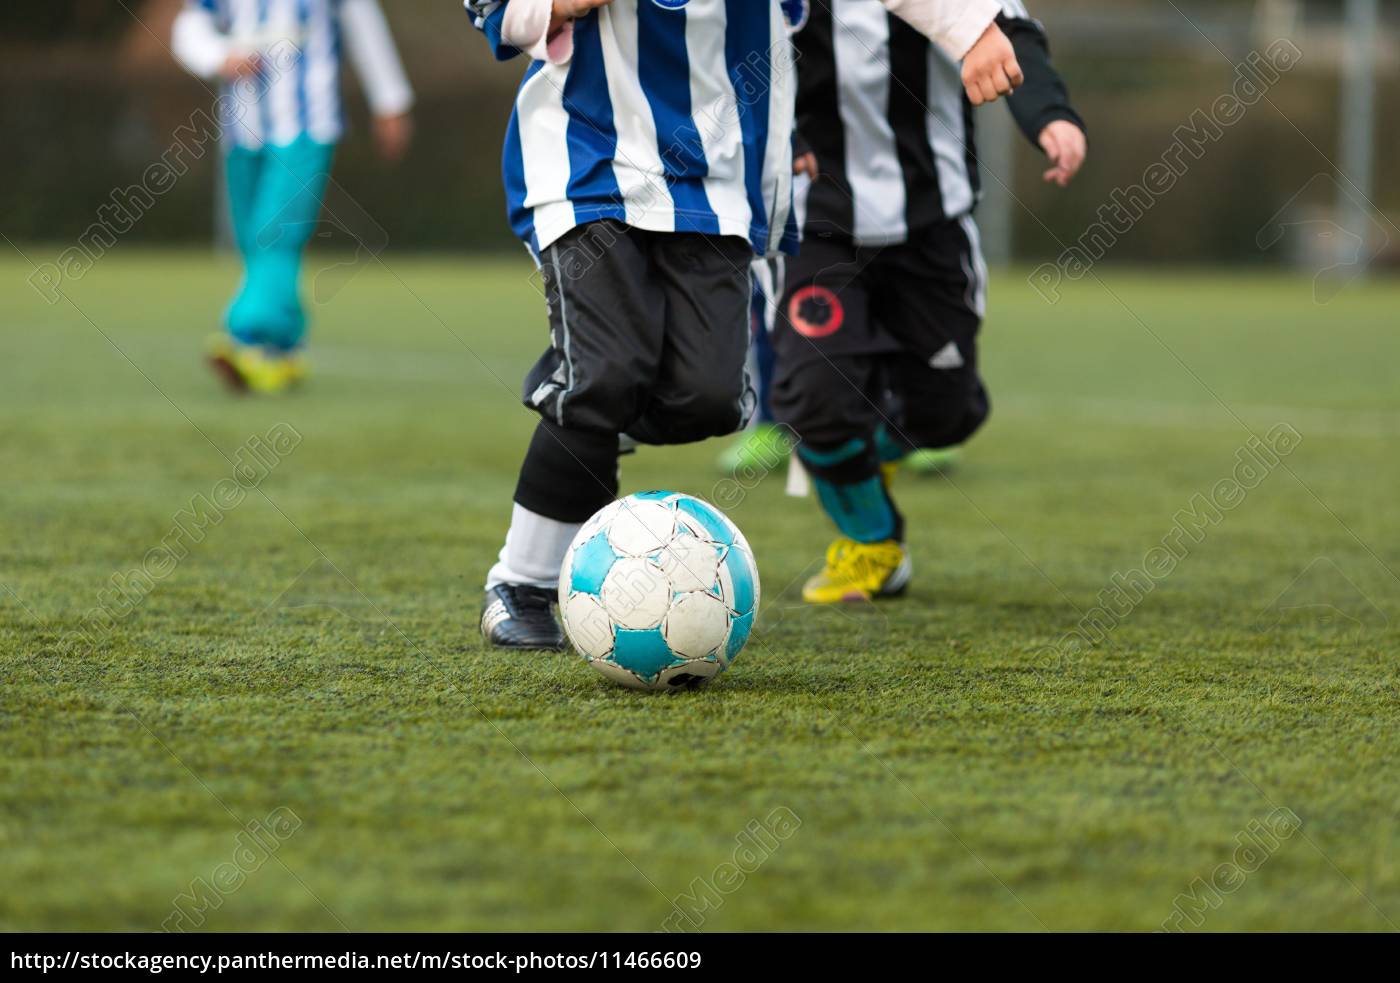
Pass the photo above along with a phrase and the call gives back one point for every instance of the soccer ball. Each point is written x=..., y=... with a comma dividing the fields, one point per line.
x=658, y=591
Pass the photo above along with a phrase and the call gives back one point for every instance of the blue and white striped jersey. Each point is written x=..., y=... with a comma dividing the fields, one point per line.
x=297, y=91
x=671, y=116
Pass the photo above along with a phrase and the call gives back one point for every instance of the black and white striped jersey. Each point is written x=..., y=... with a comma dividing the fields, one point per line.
x=885, y=113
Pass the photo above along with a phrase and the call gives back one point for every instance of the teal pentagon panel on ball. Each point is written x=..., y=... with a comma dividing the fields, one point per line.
x=591, y=564
x=644, y=651
x=738, y=635
x=714, y=525
x=741, y=573
x=653, y=496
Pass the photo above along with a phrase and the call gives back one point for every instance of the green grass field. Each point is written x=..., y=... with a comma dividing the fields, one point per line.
x=314, y=654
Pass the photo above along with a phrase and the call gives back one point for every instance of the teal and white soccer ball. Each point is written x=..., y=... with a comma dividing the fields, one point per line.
x=659, y=591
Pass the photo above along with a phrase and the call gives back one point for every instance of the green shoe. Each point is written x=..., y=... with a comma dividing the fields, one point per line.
x=758, y=450
x=930, y=462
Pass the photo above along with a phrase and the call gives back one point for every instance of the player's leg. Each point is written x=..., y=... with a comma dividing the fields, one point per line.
x=289, y=208
x=267, y=317
x=248, y=179
x=702, y=388
x=827, y=389
x=932, y=297
x=243, y=168
x=588, y=387
x=824, y=401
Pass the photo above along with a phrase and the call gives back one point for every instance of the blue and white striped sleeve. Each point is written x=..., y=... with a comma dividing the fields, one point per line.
x=376, y=60
x=488, y=16
x=196, y=40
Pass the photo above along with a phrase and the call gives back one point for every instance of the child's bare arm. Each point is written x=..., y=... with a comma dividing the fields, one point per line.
x=967, y=31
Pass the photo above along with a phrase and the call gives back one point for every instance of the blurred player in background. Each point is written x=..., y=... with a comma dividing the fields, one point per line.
x=876, y=334
x=281, y=117
x=765, y=444
x=649, y=159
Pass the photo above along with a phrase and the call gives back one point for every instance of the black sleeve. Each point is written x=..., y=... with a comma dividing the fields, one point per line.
x=800, y=145
x=1043, y=98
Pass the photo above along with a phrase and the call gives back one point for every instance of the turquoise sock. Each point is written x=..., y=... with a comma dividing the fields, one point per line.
x=889, y=449
x=275, y=196
x=855, y=500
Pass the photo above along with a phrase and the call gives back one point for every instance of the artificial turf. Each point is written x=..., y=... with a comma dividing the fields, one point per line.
x=940, y=762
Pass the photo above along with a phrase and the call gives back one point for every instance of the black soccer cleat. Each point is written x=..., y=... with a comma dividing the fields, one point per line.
x=515, y=616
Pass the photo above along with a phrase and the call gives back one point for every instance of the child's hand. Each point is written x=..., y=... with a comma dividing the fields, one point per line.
x=1066, y=146
x=806, y=164
x=240, y=65
x=392, y=135
x=567, y=10
x=990, y=69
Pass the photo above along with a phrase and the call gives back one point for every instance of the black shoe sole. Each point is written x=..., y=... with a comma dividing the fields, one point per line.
x=513, y=647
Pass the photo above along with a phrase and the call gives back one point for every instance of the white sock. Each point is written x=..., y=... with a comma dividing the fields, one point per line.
x=534, y=550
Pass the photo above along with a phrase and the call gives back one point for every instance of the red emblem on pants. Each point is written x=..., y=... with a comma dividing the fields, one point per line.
x=816, y=312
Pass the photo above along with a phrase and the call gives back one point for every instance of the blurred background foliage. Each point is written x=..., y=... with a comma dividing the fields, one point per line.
x=89, y=97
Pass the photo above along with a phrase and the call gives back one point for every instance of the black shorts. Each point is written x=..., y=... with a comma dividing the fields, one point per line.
x=871, y=335
x=649, y=334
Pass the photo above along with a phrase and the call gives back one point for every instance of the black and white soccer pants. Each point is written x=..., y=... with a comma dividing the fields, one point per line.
x=876, y=357
x=649, y=335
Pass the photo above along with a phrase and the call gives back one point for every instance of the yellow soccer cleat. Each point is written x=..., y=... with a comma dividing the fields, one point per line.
x=251, y=368
x=296, y=368
x=860, y=572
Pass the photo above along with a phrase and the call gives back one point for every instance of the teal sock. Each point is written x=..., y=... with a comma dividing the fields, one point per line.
x=861, y=512
x=851, y=491
x=889, y=449
x=275, y=197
